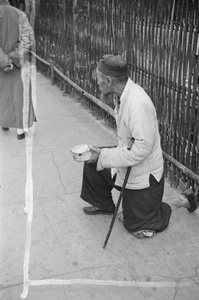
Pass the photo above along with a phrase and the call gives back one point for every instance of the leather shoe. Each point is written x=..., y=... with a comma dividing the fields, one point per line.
x=91, y=210
x=5, y=128
x=191, y=199
x=21, y=136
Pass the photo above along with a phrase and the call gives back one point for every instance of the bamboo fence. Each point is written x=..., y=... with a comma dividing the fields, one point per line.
x=159, y=39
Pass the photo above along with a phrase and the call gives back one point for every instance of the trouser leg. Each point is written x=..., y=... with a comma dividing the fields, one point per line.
x=144, y=209
x=97, y=187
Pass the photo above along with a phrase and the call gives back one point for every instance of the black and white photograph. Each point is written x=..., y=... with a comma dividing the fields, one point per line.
x=99, y=149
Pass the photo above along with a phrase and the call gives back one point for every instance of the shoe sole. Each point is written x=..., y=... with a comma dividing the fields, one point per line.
x=98, y=213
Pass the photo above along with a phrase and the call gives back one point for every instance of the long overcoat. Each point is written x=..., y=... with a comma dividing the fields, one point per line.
x=16, y=39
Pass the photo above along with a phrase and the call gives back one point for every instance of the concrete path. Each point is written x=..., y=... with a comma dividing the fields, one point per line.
x=67, y=260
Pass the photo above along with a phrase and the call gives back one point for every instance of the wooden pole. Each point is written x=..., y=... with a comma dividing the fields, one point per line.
x=30, y=11
x=119, y=200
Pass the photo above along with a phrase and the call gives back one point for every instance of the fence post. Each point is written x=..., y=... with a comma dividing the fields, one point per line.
x=30, y=11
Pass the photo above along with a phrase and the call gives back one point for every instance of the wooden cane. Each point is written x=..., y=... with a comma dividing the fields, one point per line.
x=119, y=201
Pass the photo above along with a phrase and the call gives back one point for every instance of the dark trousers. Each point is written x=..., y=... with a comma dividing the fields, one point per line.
x=142, y=209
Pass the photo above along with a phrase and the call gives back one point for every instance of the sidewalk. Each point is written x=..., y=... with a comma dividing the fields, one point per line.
x=66, y=244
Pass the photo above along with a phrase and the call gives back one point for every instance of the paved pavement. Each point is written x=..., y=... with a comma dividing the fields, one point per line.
x=66, y=259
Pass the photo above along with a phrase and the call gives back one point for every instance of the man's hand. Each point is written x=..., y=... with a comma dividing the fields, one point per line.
x=95, y=154
x=8, y=68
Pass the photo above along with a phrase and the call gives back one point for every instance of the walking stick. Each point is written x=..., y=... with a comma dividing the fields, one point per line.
x=119, y=200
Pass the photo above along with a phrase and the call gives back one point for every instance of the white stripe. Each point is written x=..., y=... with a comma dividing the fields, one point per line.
x=109, y=283
x=28, y=209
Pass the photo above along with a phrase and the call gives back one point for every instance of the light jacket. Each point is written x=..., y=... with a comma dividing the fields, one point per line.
x=136, y=119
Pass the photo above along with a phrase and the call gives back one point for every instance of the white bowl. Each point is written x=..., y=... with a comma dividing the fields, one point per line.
x=81, y=153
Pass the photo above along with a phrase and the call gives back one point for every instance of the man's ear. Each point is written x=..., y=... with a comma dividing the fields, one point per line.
x=109, y=80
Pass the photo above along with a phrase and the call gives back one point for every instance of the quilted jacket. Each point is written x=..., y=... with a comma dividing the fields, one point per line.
x=136, y=118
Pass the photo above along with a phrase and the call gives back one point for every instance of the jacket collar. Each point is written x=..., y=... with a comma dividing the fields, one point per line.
x=123, y=97
x=125, y=91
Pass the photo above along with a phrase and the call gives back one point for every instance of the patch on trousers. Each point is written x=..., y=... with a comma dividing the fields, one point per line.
x=144, y=234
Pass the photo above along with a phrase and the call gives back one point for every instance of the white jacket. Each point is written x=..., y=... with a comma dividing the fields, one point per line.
x=136, y=118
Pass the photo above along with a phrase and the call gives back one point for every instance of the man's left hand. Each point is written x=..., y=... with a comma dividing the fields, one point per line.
x=8, y=69
x=95, y=154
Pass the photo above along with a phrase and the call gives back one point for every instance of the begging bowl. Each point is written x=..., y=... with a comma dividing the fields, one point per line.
x=81, y=153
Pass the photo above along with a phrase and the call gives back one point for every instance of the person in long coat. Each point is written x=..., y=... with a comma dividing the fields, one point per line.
x=16, y=40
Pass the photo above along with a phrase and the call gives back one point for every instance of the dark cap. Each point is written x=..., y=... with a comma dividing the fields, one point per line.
x=113, y=65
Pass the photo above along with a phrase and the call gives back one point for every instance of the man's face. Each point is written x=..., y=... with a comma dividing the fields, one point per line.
x=104, y=83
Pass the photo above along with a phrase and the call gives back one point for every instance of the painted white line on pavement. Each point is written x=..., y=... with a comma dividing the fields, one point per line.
x=28, y=209
x=28, y=75
x=109, y=283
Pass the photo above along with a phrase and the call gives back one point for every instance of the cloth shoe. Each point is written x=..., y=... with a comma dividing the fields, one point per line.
x=191, y=199
x=91, y=210
x=20, y=134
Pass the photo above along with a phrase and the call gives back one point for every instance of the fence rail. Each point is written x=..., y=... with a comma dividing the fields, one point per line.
x=160, y=41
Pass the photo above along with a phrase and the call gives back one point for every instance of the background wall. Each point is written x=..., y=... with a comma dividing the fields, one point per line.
x=159, y=39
